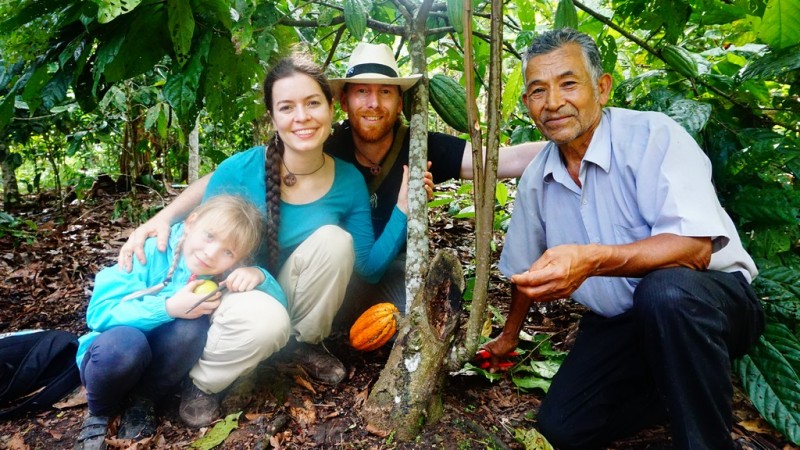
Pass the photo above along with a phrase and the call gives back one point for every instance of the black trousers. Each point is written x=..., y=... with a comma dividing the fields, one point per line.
x=668, y=357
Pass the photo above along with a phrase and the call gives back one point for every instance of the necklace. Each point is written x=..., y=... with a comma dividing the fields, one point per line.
x=291, y=178
x=374, y=167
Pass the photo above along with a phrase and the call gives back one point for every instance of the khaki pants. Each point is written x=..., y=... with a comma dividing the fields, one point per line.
x=249, y=327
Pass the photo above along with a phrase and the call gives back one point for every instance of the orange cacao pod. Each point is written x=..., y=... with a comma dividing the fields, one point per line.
x=374, y=327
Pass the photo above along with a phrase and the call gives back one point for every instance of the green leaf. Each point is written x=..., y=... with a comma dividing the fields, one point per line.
x=219, y=433
x=455, y=14
x=771, y=381
x=532, y=439
x=774, y=65
x=145, y=43
x=692, y=115
x=566, y=15
x=32, y=94
x=501, y=194
x=109, y=10
x=512, y=90
x=181, y=89
x=6, y=111
x=531, y=382
x=780, y=24
x=181, y=28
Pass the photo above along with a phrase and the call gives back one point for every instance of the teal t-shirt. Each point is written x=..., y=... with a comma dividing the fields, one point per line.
x=346, y=205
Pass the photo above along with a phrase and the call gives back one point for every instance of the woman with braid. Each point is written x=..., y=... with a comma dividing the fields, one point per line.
x=145, y=334
x=318, y=231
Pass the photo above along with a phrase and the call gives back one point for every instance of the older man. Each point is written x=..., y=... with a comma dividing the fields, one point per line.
x=619, y=213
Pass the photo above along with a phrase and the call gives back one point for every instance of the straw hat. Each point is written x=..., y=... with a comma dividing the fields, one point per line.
x=372, y=64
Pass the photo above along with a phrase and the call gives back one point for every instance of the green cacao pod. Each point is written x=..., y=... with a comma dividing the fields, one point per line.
x=681, y=60
x=455, y=13
x=355, y=16
x=449, y=99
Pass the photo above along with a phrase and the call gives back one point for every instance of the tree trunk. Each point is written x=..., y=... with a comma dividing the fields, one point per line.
x=485, y=178
x=408, y=393
x=11, y=195
x=194, y=153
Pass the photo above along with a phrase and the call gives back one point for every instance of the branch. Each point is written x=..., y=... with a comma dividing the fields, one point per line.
x=657, y=54
x=335, y=44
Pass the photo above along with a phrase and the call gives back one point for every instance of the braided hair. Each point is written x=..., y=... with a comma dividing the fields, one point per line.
x=296, y=63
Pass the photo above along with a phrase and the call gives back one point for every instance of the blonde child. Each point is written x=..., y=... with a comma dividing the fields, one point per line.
x=144, y=338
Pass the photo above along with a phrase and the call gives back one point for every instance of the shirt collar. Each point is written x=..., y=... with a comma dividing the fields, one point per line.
x=598, y=153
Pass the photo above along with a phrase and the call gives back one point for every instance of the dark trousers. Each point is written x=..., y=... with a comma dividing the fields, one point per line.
x=667, y=357
x=126, y=361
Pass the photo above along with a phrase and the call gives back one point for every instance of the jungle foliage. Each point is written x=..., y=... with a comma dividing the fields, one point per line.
x=130, y=78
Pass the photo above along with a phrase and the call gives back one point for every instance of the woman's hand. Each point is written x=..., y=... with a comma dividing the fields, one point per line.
x=244, y=279
x=154, y=227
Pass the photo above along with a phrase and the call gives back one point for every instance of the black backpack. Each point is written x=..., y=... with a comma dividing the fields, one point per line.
x=37, y=369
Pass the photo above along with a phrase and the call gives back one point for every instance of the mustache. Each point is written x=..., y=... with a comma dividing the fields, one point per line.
x=564, y=111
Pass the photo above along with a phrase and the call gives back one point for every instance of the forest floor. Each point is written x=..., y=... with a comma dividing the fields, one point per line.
x=46, y=279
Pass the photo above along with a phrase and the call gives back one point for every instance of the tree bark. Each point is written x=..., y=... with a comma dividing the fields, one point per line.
x=408, y=393
x=11, y=195
x=194, y=153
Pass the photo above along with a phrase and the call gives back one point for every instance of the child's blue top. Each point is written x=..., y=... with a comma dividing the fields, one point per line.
x=346, y=205
x=106, y=310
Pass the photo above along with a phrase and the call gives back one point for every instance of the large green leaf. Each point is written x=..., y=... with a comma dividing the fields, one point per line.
x=109, y=10
x=229, y=75
x=692, y=115
x=181, y=28
x=780, y=287
x=774, y=65
x=181, y=89
x=512, y=90
x=145, y=44
x=28, y=13
x=6, y=112
x=764, y=205
x=769, y=375
x=780, y=25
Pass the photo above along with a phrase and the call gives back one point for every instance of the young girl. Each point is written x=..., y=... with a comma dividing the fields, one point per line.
x=145, y=335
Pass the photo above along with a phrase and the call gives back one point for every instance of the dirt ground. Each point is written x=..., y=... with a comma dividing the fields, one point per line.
x=46, y=283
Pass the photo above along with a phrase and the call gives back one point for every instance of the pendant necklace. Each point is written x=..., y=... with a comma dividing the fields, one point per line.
x=374, y=167
x=291, y=178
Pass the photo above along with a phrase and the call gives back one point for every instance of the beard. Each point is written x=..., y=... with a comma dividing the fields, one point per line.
x=373, y=131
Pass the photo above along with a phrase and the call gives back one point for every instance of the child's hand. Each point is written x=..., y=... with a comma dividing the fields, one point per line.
x=244, y=279
x=186, y=298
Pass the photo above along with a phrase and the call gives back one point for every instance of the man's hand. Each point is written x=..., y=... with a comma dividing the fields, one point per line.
x=244, y=279
x=154, y=227
x=557, y=273
x=498, y=350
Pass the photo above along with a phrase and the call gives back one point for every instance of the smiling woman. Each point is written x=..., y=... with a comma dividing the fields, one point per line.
x=318, y=230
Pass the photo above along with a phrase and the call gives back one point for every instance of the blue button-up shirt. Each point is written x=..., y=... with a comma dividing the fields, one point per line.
x=642, y=175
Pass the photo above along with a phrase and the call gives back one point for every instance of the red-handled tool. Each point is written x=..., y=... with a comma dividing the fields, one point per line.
x=483, y=360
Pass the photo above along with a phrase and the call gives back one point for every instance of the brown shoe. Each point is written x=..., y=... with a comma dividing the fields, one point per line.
x=319, y=363
x=198, y=409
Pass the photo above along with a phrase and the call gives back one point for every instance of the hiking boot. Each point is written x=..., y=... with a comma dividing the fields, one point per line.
x=198, y=409
x=93, y=433
x=319, y=363
x=138, y=420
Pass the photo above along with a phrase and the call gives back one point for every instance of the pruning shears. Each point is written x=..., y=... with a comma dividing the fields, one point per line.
x=483, y=360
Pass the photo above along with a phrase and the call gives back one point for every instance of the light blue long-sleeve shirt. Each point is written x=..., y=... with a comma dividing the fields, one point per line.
x=642, y=175
x=106, y=310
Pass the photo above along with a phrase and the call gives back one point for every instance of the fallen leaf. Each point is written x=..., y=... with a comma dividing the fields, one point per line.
x=377, y=431
x=303, y=381
x=76, y=398
x=17, y=443
x=756, y=426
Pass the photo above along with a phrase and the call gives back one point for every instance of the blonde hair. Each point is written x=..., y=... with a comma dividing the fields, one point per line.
x=233, y=219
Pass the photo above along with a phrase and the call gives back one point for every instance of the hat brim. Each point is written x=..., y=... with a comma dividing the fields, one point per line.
x=405, y=83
